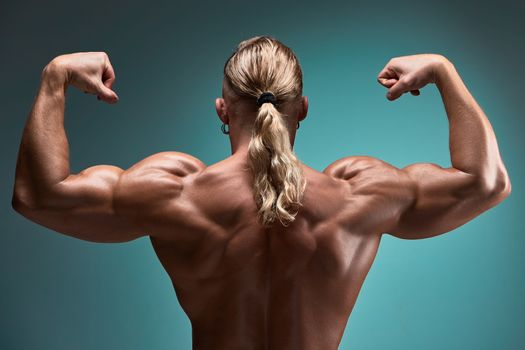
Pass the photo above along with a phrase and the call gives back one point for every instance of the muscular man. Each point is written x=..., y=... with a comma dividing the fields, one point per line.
x=263, y=251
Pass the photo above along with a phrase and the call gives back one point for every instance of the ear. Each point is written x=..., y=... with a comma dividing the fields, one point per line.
x=304, y=108
x=220, y=107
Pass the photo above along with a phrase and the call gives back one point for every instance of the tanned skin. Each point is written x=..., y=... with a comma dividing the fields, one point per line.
x=244, y=286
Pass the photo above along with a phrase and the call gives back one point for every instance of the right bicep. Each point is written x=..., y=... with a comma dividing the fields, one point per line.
x=442, y=200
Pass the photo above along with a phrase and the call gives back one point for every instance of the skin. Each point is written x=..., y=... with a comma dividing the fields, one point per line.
x=244, y=286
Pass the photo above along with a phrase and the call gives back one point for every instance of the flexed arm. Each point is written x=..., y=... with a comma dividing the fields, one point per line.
x=80, y=205
x=102, y=203
x=445, y=198
x=43, y=159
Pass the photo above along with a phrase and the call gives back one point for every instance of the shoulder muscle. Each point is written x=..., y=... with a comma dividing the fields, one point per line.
x=364, y=166
x=387, y=188
x=154, y=180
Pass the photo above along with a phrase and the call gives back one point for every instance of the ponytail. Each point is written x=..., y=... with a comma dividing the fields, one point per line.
x=278, y=180
x=264, y=69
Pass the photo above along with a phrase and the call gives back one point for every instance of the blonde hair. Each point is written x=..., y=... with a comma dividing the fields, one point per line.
x=263, y=64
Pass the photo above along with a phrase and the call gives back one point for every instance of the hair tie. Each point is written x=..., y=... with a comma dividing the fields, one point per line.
x=266, y=97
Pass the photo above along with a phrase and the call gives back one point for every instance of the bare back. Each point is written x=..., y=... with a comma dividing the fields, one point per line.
x=243, y=286
x=246, y=287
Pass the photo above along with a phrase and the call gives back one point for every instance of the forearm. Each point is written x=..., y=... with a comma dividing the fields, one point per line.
x=473, y=145
x=43, y=158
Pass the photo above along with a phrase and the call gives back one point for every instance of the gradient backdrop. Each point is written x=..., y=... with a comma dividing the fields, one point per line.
x=462, y=290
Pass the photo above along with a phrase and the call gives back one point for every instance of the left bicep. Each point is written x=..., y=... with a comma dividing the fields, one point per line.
x=83, y=206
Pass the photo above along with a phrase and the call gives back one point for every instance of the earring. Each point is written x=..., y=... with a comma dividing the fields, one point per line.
x=224, y=130
x=298, y=125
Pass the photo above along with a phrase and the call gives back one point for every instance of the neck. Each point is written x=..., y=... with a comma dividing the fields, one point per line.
x=240, y=138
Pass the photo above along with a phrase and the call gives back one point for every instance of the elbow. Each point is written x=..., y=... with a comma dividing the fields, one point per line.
x=17, y=204
x=498, y=189
x=22, y=204
x=505, y=188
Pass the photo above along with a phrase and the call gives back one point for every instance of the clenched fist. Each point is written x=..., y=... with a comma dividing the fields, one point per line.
x=90, y=72
x=409, y=73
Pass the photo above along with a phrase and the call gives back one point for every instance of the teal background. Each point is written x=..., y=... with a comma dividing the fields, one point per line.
x=461, y=290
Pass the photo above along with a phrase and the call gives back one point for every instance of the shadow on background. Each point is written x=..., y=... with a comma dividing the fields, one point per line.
x=462, y=290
